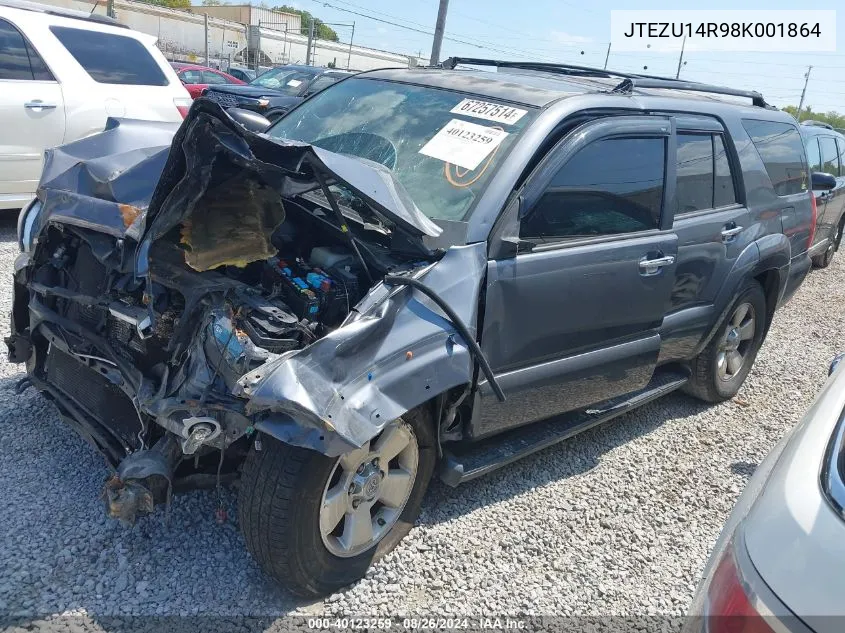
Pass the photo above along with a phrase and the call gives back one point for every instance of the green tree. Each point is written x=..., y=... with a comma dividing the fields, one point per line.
x=211, y=3
x=321, y=31
x=835, y=119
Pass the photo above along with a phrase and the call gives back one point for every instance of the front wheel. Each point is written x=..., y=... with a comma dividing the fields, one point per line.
x=719, y=371
x=316, y=523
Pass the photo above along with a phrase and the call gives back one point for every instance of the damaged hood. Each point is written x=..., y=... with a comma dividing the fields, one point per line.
x=139, y=180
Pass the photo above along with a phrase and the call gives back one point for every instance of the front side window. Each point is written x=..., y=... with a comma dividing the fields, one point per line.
x=191, y=77
x=109, y=58
x=609, y=187
x=782, y=152
x=322, y=82
x=814, y=155
x=840, y=144
x=436, y=143
x=284, y=80
x=18, y=60
x=830, y=155
x=211, y=78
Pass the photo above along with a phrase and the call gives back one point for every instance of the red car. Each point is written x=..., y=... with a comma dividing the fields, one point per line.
x=198, y=78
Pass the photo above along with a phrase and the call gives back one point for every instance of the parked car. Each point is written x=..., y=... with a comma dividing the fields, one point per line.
x=826, y=155
x=276, y=91
x=777, y=565
x=243, y=73
x=197, y=78
x=413, y=271
x=62, y=74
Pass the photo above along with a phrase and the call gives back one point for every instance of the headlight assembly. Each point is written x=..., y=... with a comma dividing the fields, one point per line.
x=26, y=221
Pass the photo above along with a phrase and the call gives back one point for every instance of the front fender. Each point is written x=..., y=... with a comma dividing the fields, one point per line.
x=395, y=352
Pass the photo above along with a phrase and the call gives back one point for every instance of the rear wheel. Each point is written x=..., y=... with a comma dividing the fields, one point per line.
x=824, y=260
x=719, y=371
x=316, y=523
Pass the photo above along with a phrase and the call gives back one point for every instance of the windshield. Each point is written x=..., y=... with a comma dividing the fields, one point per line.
x=442, y=146
x=287, y=80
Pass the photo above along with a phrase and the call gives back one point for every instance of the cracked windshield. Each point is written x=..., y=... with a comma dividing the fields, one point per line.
x=440, y=145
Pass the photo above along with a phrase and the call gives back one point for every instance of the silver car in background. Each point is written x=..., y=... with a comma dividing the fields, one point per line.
x=778, y=564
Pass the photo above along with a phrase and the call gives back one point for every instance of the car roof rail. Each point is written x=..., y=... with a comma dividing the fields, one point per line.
x=62, y=12
x=563, y=69
x=812, y=123
x=629, y=82
x=641, y=81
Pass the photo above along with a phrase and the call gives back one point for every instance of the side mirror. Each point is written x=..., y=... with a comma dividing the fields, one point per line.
x=252, y=121
x=822, y=181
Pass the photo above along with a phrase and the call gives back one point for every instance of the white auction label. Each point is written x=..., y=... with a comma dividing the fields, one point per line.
x=463, y=143
x=489, y=111
x=294, y=83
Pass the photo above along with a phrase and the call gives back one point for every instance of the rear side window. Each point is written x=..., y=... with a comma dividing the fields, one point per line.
x=782, y=152
x=18, y=60
x=814, y=156
x=830, y=155
x=609, y=187
x=110, y=58
x=723, y=183
x=704, y=174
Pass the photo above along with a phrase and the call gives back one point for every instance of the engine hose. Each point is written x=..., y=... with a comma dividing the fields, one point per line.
x=475, y=350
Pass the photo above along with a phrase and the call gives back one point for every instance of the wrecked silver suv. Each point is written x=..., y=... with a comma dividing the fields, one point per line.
x=325, y=311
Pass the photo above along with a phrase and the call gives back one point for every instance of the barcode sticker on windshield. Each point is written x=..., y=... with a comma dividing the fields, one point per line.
x=490, y=111
x=463, y=143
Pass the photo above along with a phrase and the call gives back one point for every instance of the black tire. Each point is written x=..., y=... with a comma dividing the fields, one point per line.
x=279, y=505
x=705, y=382
x=824, y=260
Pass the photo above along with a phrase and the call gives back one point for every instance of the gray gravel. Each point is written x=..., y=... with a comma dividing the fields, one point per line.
x=617, y=521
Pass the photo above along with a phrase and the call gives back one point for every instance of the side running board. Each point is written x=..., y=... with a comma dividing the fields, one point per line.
x=474, y=460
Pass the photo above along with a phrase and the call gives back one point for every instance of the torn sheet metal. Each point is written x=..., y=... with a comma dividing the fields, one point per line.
x=105, y=181
x=211, y=148
x=353, y=381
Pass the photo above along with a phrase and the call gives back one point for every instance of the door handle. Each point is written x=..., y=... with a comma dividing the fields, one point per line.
x=653, y=266
x=729, y=233
x=37, y=104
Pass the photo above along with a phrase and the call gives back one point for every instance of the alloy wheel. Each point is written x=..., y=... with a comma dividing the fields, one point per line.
x=367, y=491
x=736, y=342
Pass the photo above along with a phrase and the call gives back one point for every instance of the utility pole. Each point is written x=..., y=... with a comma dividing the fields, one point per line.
x=351, y=37
x=439, y=28
x=803, y=92
x=206, y=39
x=310, y=42
x=109, y=8
x=681, y=58
x=607, y=57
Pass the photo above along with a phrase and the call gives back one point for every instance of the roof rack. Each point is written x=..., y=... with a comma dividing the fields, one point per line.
x=811, y=123
x=62, y=12
x=629, y=82
x=562, y=69
x=636, y=81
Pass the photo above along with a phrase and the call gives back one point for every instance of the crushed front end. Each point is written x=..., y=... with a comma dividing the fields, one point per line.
x=161, y=286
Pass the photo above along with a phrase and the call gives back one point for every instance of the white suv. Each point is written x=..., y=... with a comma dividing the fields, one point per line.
x=62, y=73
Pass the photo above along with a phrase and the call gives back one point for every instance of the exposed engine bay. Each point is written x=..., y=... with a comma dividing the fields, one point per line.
x=242, y=295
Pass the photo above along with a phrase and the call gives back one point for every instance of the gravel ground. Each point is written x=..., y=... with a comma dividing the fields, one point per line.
x=619, y=520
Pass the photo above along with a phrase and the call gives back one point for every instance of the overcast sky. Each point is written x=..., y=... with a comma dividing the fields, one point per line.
x=578, y=31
